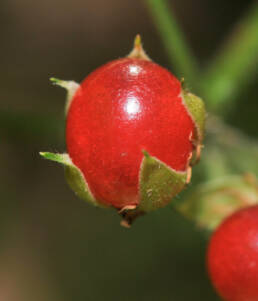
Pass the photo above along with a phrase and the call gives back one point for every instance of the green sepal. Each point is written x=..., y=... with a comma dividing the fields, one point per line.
x=159, y=183
x=138, y=52
x=196, y=108
x=74, y=176
x=70, y=86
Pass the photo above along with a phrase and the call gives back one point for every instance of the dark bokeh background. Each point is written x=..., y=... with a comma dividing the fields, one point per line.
x=53, y=246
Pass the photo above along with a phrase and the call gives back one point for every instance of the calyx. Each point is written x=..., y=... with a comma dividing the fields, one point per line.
x=158, y=183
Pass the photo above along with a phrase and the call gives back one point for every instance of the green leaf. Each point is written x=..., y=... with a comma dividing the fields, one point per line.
x=158, y=183
x=74, y=176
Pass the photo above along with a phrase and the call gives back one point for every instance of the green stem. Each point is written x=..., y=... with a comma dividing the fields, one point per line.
x=235, y=65
x=178, y=51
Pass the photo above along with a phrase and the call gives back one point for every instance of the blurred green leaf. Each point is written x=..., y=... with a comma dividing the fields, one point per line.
x=229, y=169
x=213, y=201
x=30, y=126
x=235, y=65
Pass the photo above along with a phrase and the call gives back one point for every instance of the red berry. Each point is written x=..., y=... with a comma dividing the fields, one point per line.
x=232, y=257
x=122, y=108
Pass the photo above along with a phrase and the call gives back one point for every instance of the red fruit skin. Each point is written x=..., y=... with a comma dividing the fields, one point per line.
x=232, y=257
x=122, y=108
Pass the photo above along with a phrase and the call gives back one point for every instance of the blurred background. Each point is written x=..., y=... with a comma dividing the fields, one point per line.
x=53, y=246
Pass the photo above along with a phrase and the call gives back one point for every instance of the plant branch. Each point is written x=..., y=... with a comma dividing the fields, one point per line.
x=178, y=51
x=235, y=65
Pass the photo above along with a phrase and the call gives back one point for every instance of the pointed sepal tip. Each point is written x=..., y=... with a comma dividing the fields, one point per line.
x=71, y=87
x=138, y=51
x=74, y=176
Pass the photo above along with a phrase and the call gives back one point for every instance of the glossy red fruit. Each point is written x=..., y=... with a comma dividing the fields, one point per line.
x=233, y=256
x=124, y=107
